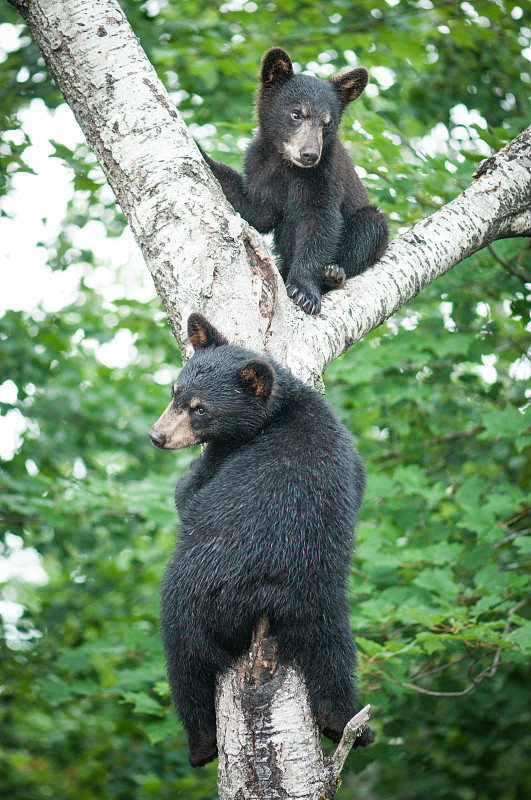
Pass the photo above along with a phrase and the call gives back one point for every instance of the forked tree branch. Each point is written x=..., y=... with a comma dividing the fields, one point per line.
x=201, y=255
x=269, y=744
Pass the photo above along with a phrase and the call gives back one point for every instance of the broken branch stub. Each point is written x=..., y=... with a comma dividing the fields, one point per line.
x=268, y=741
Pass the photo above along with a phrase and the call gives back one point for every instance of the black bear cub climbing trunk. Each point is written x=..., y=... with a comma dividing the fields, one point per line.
x=266, y=530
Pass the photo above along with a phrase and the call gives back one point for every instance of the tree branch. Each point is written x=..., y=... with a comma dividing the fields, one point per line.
x=353, y=729
x=496, y=205
x=202, y=256
x=268, y=742
x=511, y=270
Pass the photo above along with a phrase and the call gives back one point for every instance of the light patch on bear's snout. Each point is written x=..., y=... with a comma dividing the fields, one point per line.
x=307, y=136
x=173, y=429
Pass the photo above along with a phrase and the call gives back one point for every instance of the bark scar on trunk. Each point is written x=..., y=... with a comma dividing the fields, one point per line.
x=263, y=269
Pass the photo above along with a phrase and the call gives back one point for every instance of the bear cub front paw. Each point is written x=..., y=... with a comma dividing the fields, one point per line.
x=304, y=295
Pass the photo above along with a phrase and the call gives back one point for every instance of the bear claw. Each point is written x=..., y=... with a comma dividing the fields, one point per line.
x=334, y=277
x=310, y=303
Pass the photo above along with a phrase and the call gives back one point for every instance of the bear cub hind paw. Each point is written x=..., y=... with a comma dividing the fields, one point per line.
x=334, y=277
x=202, y=749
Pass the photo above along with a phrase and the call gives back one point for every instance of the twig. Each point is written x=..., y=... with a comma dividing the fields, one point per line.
x=420, y=690
x=426, y=444
x=511, y=270
x=488, y=672
x=512, y=536
x=353, y=730
x=438, y=670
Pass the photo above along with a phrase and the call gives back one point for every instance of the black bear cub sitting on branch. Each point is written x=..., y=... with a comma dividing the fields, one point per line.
x=267, y=515
x=299, y=181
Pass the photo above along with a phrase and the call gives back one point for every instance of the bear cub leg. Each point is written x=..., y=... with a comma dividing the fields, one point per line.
x=325, y=653
x=193, y=689
x=363, y=242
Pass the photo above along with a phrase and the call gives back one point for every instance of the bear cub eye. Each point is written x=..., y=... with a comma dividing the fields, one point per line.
x=327, y=124
x=295, y=115
x=199, y=410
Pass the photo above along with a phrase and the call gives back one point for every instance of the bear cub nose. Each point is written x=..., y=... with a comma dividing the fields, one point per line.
x=309, y=156
x=156, y=437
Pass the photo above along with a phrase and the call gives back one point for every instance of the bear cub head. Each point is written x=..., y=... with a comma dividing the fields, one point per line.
x=300, y=114
x=224, y=393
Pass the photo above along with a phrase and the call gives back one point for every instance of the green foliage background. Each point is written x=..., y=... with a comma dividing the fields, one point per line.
x=436, y=402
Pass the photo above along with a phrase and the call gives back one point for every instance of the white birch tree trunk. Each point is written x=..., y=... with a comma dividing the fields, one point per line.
x=269, y=744
x=203, y=257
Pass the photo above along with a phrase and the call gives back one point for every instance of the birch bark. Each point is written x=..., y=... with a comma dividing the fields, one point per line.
x=201, y=254
x=269, y=744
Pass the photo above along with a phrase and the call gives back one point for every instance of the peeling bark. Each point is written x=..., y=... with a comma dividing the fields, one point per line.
x=269, y=744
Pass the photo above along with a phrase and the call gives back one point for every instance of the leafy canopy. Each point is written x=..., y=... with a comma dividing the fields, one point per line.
x=437, y=401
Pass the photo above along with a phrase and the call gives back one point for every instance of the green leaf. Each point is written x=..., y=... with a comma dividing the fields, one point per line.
x=143, y=703
x=438, y=581
x=506, y=422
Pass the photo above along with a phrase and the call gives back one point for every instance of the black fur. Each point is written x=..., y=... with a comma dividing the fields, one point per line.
x=318, y=209
x=267, y=515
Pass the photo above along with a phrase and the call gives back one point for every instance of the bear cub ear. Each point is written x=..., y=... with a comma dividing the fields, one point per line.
x=349, y=85
x=276, y=67
x=259, y=378
x=202, y=334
